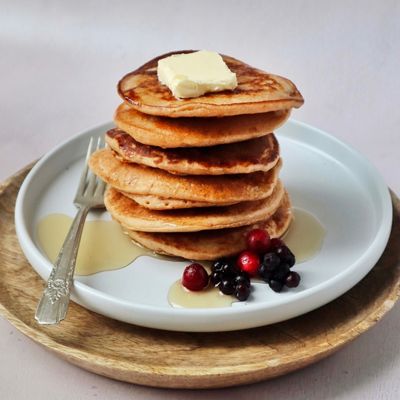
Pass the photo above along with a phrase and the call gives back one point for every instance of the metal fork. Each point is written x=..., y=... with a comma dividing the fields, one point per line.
x=53, y=305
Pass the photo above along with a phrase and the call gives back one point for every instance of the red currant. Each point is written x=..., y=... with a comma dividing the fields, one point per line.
x=249, y=262
x=258, y=240
x=195, y=277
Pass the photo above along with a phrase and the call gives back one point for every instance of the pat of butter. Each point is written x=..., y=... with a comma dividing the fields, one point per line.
x=193, y=74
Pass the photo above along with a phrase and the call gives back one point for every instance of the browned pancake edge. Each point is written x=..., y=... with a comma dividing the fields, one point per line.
x=257, y=92
x=211, y=245
x=253, y=155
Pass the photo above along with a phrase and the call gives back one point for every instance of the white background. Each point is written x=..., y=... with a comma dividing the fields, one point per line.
x=59, y=64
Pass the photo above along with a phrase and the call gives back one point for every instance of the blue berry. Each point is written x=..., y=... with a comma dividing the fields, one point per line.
x=226, y=286
x=285, y=255
x=242, y=292
x=215, y=278
x=264, y=273
x=271, y=261
x=217, y=265
x=275, y=285
x=242, y=278
x=281, y=272
x=292, y=280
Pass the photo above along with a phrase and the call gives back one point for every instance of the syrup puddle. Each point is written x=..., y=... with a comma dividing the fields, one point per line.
x=103, y=247
x=304, y=236
x=211, y=297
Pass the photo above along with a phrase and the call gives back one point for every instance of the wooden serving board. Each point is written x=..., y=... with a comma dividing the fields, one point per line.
x=190, y=360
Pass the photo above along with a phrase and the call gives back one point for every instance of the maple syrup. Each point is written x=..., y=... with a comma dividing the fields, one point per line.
x=103, y=247
x=211, y=297
x=304, y=236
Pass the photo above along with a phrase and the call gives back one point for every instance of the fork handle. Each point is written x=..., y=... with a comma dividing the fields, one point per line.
x=53, y=305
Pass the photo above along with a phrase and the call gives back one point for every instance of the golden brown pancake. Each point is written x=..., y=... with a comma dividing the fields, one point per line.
x=137, y=179
x=162, y=203
x=196, y=132
x=253, y=155
x=135, y=217
x=214, y=244
x=257, y=92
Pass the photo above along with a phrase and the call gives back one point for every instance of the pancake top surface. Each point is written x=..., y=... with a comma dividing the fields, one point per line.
x=196, y=132
x=259, y=154
x=134, y=178
x=257, y=92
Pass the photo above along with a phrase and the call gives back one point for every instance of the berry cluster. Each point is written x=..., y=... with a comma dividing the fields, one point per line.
x=270, y=259
x=229, y=279
x=275, y=268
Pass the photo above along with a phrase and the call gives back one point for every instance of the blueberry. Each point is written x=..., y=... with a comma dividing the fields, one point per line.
x=242, y=292
x=215, y=278
x=275, y=285
x=240, y=279
x=285, y=255
x=271, y=261
x=226, y=286
x=229, y=269
x=264, y=273
x=292, y=280
x=217, y=265
x=225, y=266
x=281, y=272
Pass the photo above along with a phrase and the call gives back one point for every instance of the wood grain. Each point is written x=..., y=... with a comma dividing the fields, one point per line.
x=187, y=360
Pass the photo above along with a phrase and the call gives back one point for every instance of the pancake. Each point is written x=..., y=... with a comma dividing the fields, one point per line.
x=211, y=245
x=196, y=132
x=161, y=203
x=132, y=216
x=253, y=155
x=137, y=179
x=257, y=92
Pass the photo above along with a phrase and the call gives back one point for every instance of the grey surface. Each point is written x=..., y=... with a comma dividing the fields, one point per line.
x=59, y=64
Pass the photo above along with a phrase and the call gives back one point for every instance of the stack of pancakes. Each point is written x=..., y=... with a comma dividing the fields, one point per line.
x=191, y=177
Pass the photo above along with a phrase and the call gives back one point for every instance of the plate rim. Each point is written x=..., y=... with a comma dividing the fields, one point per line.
x=374, y=251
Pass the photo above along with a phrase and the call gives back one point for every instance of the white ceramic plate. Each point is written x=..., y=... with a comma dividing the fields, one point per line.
x=323, y=175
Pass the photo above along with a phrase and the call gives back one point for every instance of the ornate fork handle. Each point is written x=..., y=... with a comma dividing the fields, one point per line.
x=53, y=305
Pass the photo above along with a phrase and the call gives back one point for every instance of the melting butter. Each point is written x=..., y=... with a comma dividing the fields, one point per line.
x=210, y=297
x=103, y=246
x=305, y=235
x=193, y=74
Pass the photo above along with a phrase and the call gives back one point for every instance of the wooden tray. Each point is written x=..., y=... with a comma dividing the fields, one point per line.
x=189, y=360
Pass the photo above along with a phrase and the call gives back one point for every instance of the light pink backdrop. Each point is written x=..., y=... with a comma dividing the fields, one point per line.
x=59, y=64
